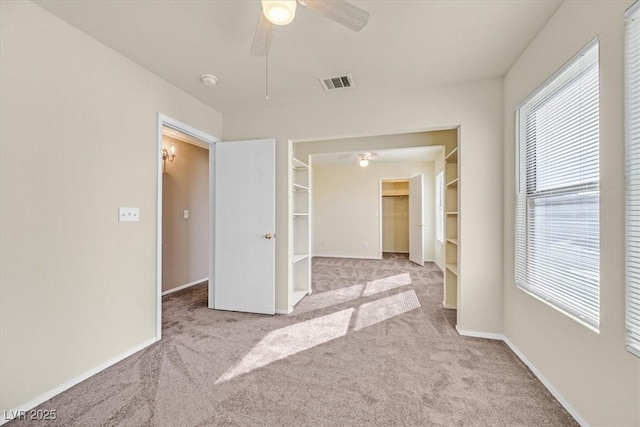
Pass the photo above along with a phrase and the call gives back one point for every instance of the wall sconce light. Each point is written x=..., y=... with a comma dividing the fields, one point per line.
x=166, y=155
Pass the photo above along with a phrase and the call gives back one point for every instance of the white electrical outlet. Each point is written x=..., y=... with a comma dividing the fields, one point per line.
x=186, y=214
x=128, y=214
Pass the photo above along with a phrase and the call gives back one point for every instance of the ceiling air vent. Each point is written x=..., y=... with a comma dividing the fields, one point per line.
x=333, y=83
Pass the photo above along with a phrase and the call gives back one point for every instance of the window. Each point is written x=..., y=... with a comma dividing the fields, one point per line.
x=439, y=208
x=632, y=137
x=558, y=190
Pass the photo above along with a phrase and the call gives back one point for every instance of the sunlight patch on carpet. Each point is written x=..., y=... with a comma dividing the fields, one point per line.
x=386, y=284
x=380, y=310
x=320, y=300
x=287, y=341
x=326, y=299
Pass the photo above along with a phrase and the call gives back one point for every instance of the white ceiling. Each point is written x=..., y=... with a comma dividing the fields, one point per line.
x=406, y=44
x=399, y=155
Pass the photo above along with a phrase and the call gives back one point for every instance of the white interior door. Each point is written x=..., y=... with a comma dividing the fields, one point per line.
x=244, y=238
x=416, y=227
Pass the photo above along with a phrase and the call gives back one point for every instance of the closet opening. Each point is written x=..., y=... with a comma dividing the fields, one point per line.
x=395, y=215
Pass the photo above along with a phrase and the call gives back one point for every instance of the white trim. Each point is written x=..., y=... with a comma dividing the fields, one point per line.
x=485, y=335
x=186, y=285
x=210, y=140
x=285, y=312
x=438, y=265
x=27, y=406
x=570, y=409
x=449, y=307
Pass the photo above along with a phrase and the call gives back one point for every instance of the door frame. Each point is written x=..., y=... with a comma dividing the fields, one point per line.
x=166, y=121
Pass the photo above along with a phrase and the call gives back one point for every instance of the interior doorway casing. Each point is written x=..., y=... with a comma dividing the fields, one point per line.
x=165, y=121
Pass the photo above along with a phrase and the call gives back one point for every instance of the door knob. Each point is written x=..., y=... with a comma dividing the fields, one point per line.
x=268, y=236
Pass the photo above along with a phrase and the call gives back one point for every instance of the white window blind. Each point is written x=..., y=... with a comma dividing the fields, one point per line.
x=439, y=208
x=558, y=190
x=632, y=135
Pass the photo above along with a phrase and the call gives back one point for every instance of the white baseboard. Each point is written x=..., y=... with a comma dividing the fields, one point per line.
x=570, y=409
x=452, y=307
x=186, y=285
x=474, y=334
x=492, y=336
x=281, y=311
x=27, y=406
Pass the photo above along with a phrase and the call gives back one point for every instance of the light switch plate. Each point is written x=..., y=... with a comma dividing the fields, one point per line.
x=186, y=214
x=128, y=214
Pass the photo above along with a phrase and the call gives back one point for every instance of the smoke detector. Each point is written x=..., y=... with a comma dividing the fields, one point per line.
x=209, y=79
x=340, y=82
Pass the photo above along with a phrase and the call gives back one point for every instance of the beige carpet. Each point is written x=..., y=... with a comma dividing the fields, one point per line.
x=371, y=346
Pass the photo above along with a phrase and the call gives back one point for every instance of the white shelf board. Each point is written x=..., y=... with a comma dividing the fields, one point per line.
x=299, y=164
x=454, y=241
x=301, y=214
x=452, y=183
x=299, y=187
x=299, y=257
x=453, y=268
x=452, y=156
x=452, y=213
x=296, y=296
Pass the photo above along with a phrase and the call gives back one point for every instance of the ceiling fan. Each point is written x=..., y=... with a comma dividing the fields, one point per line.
x=363, y=158
x=282, y=12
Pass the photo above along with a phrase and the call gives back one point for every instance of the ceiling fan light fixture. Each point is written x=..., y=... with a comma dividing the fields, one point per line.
x=363, y=162
x=279, y=12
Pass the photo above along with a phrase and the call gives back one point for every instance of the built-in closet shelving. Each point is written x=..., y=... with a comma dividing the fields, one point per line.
x=300, y=259
x=452, y=214
x=395, y=187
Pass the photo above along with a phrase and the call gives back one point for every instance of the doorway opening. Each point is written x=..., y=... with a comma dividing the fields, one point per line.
x=185, y=212
x=345, y=201
x=395, y=216
x=184, y=209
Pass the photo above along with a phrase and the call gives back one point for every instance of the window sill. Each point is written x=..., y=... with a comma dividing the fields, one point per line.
x=559, y=310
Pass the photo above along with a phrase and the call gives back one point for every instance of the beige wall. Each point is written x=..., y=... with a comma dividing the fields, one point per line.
x=346, y=207
x=474, y=106
x=593, y=372
x=78, y=140
x=185, y=241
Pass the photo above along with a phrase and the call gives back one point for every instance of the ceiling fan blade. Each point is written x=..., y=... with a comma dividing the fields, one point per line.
x=262, y=37
x=339, y=11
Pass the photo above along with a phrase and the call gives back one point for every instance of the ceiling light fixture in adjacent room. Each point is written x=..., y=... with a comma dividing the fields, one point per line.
x=363, y=158
x=279, y=12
